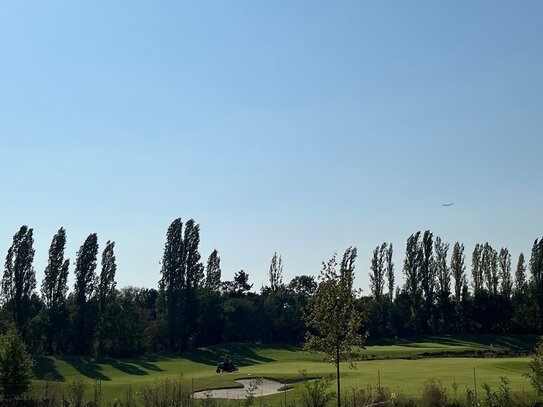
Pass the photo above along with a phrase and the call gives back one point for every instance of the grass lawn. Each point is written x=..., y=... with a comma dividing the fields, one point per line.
x=408, y=374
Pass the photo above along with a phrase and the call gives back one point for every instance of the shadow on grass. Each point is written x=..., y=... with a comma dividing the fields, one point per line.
x=241, y=354
x=45, y=366
x=45, y=369
x=509, y=342
x=85, y=367
x=145, y=363
x=128, y=368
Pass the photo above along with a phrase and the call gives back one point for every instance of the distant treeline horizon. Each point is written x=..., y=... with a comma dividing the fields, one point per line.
x=192, y=306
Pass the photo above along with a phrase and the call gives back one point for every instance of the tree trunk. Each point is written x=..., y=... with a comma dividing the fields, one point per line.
x=338, y=380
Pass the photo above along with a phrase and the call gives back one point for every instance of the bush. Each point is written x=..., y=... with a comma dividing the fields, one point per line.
x=166, y=394
x=536, y=368
x=369, y=396
x=316, y=392
x=76, y=392
x=433, y=394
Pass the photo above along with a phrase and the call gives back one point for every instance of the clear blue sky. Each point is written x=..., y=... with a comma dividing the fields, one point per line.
x=293, y=126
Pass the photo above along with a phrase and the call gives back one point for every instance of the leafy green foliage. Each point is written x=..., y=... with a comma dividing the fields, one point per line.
x=15, y=365
x=334, y=321
x=536, y=369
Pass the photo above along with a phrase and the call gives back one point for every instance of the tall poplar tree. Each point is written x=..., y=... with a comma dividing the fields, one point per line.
x=377, y=274
x=443, y=274
x=19, y=280
x=520, y=275
x=194, y=279
x=54, y=288
x=172, y=284
x=458, y=270
x=428, y=278
x=442, y=269
x=211, y=321
x=536, y=269
x=506, y=287
x=275, y=272
x=477, y=270
x=84, y=290
x=377, y=287
x=389, y=267
x=106, y=297
x=489, y=264
x=411, y=269
x=213, y=272
x=182, y=277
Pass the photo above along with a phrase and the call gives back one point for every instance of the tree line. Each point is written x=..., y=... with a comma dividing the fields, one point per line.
x=441, y=296
x=193, y=306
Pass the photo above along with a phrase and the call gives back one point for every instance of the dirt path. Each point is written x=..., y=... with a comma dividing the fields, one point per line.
x=266, y=388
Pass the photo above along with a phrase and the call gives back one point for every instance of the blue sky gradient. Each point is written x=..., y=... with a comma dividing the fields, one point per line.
x=298, y=127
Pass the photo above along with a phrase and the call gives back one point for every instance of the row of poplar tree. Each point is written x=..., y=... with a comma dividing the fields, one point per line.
x=193, y=306
x=441, y=296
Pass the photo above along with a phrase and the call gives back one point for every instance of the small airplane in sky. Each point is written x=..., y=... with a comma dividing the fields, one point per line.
x=448, y=204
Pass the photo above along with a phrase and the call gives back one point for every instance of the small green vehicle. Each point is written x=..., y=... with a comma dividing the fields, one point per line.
x=226, y=366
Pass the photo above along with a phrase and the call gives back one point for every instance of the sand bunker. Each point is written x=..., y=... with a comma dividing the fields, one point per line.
x=265, y=388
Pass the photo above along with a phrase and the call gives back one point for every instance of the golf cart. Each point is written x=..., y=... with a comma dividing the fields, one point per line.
x=226, y=366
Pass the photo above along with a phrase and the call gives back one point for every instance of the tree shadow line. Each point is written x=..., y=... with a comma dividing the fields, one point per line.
x=241, y=354
x=512, y=342
x=46, y=369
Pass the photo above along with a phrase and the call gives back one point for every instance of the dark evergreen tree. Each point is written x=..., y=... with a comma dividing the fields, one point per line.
x=240, y=286
x=53, y=289
x=19, y=280
x=84, y=290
